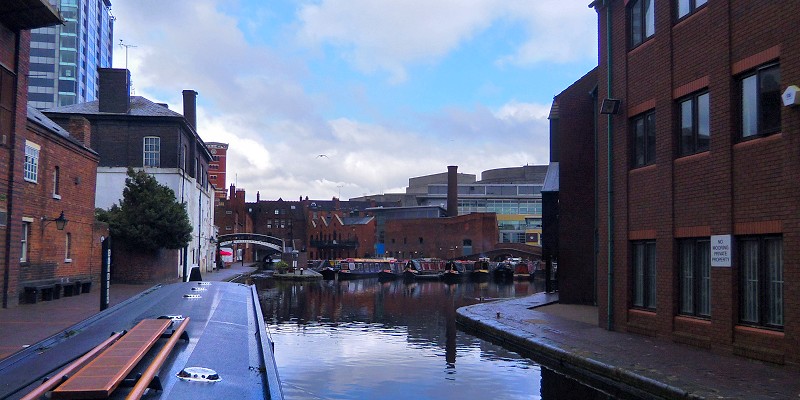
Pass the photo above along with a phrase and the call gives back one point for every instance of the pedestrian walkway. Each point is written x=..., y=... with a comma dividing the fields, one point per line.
x=556, y=338
x=26, y=324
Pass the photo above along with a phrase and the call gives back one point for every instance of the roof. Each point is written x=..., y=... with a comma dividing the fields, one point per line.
x=41, y=119
x=140, y=107
x=551, y=179
x=37, y=117
x=356, y=220
x=28, y=14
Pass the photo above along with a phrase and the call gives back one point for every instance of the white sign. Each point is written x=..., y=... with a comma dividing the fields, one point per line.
x=721, y=251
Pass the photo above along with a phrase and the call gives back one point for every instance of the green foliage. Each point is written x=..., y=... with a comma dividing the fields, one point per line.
x=148, y=217
x=281, y=266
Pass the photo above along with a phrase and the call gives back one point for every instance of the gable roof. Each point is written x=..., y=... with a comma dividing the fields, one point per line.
x=140, y=107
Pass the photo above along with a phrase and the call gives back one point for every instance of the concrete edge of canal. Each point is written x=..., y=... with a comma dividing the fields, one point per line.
x=496, y=322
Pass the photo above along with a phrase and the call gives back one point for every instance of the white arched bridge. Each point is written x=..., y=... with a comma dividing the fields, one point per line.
x=270, y=242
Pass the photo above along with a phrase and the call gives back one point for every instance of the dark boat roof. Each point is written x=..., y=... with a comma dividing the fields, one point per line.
x=226, y=333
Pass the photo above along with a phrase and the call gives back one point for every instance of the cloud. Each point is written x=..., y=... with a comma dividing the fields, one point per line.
x=391, y=35
x=254, y=94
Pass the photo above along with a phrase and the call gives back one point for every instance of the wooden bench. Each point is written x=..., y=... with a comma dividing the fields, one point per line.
x=47, y=290
x=102, y=375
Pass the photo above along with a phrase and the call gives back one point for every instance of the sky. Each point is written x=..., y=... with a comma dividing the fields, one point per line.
x=346, y=98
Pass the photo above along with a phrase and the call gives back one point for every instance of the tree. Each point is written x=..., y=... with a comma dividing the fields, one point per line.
x=148, y=217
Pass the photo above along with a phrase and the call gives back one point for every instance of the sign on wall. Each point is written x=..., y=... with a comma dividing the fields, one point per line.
x=721, y=251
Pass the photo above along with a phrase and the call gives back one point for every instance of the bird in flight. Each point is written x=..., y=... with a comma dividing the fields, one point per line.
x=323, y=155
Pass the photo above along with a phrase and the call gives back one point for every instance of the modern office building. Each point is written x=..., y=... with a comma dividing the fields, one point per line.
x=65, y=58
x=513, y=194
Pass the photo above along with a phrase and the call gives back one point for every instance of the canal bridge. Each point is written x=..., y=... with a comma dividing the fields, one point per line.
x=270, y=244
x=506, y=250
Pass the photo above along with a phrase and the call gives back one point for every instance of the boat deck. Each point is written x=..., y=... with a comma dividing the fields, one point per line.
x=225, y=330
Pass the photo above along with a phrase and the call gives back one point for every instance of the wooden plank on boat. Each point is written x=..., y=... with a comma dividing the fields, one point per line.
x=103, y=374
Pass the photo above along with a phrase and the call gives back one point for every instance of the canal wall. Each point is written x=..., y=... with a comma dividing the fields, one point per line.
x=622, y=365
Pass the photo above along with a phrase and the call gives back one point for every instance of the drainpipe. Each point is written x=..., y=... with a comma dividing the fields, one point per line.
x=610, y=182
x=10, y=221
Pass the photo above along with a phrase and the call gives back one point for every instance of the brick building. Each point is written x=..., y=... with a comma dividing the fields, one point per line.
x=43, y=171
x=444, y=238
x=701, y=243
x=231, y=215
x=568, y=209
x=132, y=131
x=217, y=168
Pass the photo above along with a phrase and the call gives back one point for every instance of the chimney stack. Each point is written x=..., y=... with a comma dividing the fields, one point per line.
x=190, y=107
x=452, y=191
x=115, y=90
x=81, y=129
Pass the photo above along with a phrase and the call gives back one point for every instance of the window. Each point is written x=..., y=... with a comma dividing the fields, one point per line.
x=761, y=281
x=56, y=182
x=694, y=124
x=686, y=7
x=695, y=276
x=642, y=19
x=761, y=101
x=644, y=139
x=644, y=274
x=26, y=233
x=31, y=161
x=152, y=151
x=68, y=247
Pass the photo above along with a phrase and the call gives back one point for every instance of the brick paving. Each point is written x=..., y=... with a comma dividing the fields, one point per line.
x=556, y=337
x=26, y=324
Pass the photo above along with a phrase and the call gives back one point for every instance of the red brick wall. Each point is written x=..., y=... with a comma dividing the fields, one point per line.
x=575, y=131
x=735, y=188
x=363, y=233
x=135, y=267
x=77, y=178
x=441, y=236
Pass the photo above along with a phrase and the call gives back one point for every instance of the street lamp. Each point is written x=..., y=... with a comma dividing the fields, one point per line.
x=61, y=221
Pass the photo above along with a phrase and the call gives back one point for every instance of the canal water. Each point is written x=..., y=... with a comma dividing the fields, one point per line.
x=365, y=339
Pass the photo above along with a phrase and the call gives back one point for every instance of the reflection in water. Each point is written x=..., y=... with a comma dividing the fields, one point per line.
x=365, y=339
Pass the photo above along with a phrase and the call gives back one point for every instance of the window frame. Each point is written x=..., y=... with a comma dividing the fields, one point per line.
x=698, y=124
x=31, y=166
x=68, y=247
x=647, y=145
x=697, y=287
x=638, y=10
x=756, y=115
x=57, y=182
x=151, y=158
x=692, y=8
x=763, y=296
x=647, y=285
x=25, y=237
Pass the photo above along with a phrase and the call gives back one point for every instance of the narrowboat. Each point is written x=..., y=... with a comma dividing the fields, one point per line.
x=355, y=268
x=523, y=270
x=453, y=272
x=165, y=343
x=424, y=269
x=391, y=271
x=503, y=271
x=328, y=271
x=480, y=271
